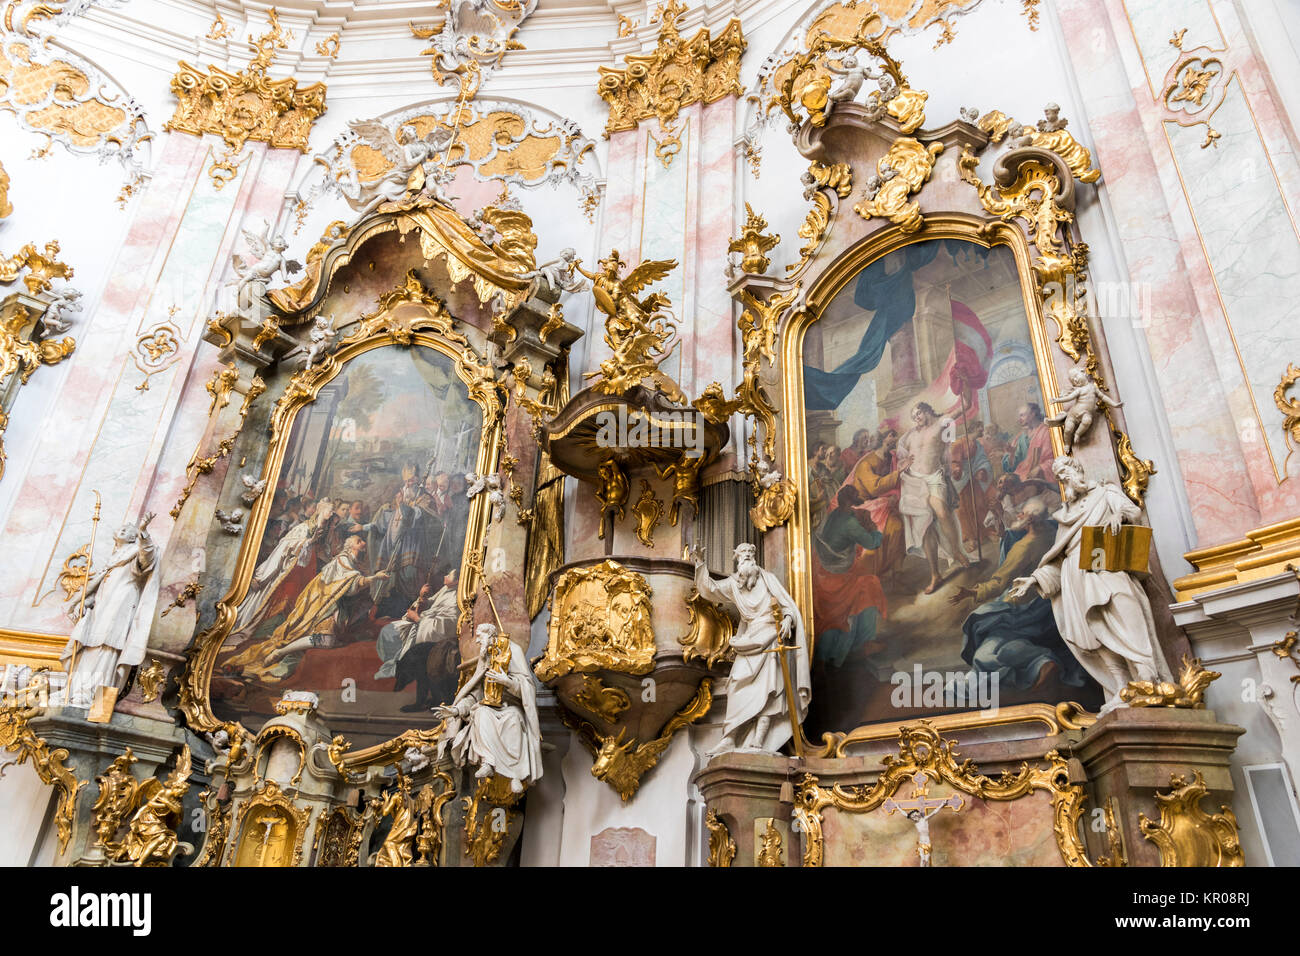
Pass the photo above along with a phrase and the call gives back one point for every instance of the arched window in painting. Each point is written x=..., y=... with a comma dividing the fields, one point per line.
x=929, y=489
x=354, y=592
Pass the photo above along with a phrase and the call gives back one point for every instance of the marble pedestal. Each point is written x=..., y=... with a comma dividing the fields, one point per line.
x=1130, y=753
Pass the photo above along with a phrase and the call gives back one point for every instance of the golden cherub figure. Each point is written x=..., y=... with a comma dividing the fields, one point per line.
x=685, y=475
x=152, y=841
x=612, y=493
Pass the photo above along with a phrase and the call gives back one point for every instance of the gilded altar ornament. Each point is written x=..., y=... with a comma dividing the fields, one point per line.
x=922, y=750
x=218, y=828
x=771, y=851
x=151, y=837
x=151, y=681
x=200, y=465
x=219, y=30
x=902, y=171
x=472, y=39
x=622, y=764
x=1290, y=409
x=722, y=848
x=1188, y=836
x=676, y=74
x=270, y=829
x=1189, y=692
x=776, y=501
x=42, y=267
x=612, y=493
x=600, y=620
x=607, y=703
x=1031, y=196
x=685, y=476
x=220, y=386
x=248, y=105
x=820, y=180
x=648, y=510
x=338, y=838
x=20, y=355
x=116, y=802
x=16, y=736
x=710, y=630
x=639, y=332
x=1049, y=133
x=753, y=243
x=489, y=812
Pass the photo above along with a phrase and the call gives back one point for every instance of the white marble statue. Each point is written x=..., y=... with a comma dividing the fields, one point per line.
x=253, y=488
x=65, y=303
x=504, y=739
x=1103, y=616
x=559, y=274
x=256, y=273
x=851, y=77
x=414, y=169
x=758, y=715
x=1084, y=400
x=105, y=642
x=321, y=337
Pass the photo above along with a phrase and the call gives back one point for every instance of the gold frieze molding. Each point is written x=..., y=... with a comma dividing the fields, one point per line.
x=1263, y=553
x=247, y=105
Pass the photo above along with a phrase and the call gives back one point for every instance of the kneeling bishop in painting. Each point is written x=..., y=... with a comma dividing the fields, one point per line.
x=771, y=627
x=1104, y=616
x=492, y=722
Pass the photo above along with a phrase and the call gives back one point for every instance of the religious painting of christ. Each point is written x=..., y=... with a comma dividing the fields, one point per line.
x=354, y=589
x=929, y=489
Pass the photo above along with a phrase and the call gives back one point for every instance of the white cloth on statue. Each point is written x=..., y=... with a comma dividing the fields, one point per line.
x=1099, y=609
x=105, y=638
x=756, y=687
x=437, y=623
x=292, y=551
x=507, y=738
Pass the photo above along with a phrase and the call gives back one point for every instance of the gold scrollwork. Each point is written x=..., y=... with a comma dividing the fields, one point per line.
x=338, y=838
x=248, y=105
x=921, y=750
x=771, y=849
x=42, y=267
x=754, y=243
x=649, y=511
x=1188, y=836
x=488, y=815
x=722, y=848
x=16, y=736
x=1290, y=409
x=820, y=180
x=902, y=171
x=600, y=620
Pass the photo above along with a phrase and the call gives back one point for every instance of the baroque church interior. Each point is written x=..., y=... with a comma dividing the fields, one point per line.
x=521, y=433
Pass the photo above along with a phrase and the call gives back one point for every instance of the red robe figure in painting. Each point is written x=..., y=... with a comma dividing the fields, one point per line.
x=847, y=596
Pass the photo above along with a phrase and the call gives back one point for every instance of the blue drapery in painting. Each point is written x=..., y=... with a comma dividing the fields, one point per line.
x=892, y=297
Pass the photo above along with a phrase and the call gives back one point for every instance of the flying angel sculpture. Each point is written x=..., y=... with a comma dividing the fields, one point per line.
x=415, y=166
x=267, y=258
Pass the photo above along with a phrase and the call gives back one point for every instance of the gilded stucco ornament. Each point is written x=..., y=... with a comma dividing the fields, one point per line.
x=600, y=620
x=622, y=763
x=1188, y=836
x=17, y=736
x=607, y=703
x=820, y=182
x=649, y=510
x=58, y=94
x=771, y=847
x=676, y=74
x=247, y=105
x=708, y=638
x=1189, y=692
x=722, y=848
x=6, y=207
x=754, y=243
x=901, y=171
x=1290, y=409
x=1049, y=133
x=489, y=813
x=471, y=40
x=151, y=835
x=612, y=493
x=42, y=267
x=270, y=829
x=921, y=750
x=23, y=350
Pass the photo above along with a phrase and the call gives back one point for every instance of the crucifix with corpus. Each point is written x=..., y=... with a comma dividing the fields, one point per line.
x=918, y=808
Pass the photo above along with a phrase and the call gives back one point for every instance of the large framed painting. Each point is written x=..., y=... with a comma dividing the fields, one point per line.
x=350, y=583
x=927, y=468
